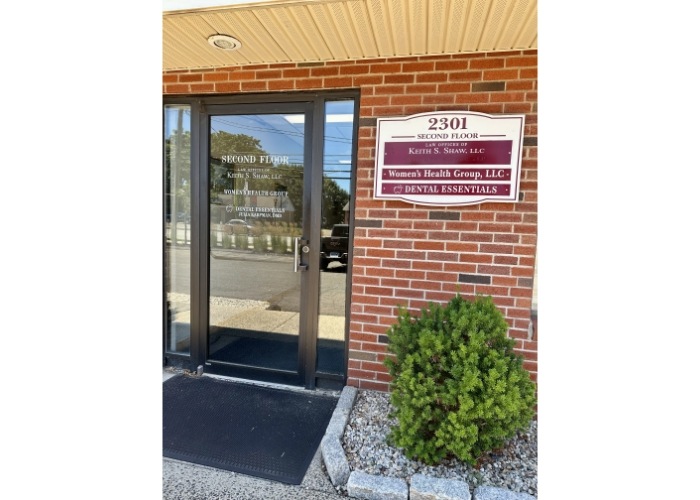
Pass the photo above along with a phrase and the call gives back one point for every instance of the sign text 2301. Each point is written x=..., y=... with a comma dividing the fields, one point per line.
x=443, y=123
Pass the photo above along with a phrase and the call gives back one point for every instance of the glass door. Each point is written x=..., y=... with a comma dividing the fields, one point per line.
x=260, y=301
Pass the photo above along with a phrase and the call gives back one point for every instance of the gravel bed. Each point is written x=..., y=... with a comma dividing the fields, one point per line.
x=514, y=467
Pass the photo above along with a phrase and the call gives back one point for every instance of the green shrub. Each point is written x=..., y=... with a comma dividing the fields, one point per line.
x=242, y=241
x=260, y=243
x=458, y=390
x=226, y=241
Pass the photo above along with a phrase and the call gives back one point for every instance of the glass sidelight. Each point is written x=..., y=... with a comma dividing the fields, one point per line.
x=177, y=227
x=335, y=235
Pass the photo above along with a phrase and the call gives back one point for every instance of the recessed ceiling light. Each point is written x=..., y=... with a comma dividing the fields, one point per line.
x=224, y=42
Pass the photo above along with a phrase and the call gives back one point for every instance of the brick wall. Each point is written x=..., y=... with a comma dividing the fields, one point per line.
x=409, y=254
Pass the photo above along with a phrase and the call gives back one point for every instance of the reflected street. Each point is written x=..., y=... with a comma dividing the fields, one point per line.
x=263, y=277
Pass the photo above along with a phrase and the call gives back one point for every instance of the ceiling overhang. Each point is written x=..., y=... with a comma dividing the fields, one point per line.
x=310, y=31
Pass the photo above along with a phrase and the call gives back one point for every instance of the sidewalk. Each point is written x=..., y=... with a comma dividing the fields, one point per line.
x=182, y=480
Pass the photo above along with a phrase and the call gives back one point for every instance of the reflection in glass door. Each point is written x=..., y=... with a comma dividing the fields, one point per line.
x=256, y=206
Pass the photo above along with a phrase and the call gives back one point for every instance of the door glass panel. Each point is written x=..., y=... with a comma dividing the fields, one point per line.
x=255, y=206
x=177, y=228
x=337, y=168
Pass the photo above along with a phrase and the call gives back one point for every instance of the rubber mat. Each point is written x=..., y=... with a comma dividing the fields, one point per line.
x=259, y=431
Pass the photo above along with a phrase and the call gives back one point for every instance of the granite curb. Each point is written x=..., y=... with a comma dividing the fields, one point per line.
x=362, y=485
x=331, y=446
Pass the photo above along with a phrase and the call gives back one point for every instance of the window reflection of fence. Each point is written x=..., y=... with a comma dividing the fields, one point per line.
x=178, y=233
x=259, y=239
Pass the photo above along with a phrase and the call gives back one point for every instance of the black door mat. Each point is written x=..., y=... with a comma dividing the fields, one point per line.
x=259, y=431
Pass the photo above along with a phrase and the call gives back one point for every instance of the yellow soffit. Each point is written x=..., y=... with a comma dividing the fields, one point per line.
x=344, y=30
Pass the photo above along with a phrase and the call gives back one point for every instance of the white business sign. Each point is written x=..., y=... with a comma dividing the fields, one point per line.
x=449, y=158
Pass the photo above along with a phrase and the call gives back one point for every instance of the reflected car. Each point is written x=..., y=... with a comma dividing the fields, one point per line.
x=238, y=226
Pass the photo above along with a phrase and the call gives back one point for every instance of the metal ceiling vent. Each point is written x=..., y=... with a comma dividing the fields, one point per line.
x=224, y=42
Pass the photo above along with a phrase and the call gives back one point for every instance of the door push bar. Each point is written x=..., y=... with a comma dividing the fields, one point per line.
x=305, y=249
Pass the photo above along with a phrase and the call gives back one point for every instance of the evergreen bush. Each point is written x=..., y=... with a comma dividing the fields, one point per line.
x=242, y=241
x=457, y=390
x=226, y=241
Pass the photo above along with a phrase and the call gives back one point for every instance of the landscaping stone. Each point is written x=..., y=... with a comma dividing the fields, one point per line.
x=334, y=459
x=370, y=487
x=431, y=488
x=493, y=493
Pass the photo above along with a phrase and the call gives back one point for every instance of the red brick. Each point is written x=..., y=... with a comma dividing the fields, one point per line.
x=280, y=85
x=309, y=83
x=399, y=78
x=254, y=85
x=431, y=245
x=404, y=99
x=520, y=85
x=503, y=302
x=418, y=67
x=373, y=366
x=177, y=89
x=200, y=88
x=529, y=60
x=459, y=267
x=452, y=65
x=506, y=238
x=381, y=253
x=465, y=76
x=324, y=71
x=215, y=77
x=421, y=88
x=374, y=347
x=517, y=108
x=496, y=228
x=508, y=97
x=340, y=82
x=373, y=386
x=409, y=293
x=189, y=77
x=426, y=285
x=500, y=75
x=427, y=265
x=476, y=258
x=492, y=248
x=439, y=98
x=487, y=108
x=494, y=62
x=470, y=98
x=505, y=260
x=384, y=67
x=365, y=80
x=500, y=270
x=491, y=290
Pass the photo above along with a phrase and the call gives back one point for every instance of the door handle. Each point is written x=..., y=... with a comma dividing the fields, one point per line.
x=305, y=249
